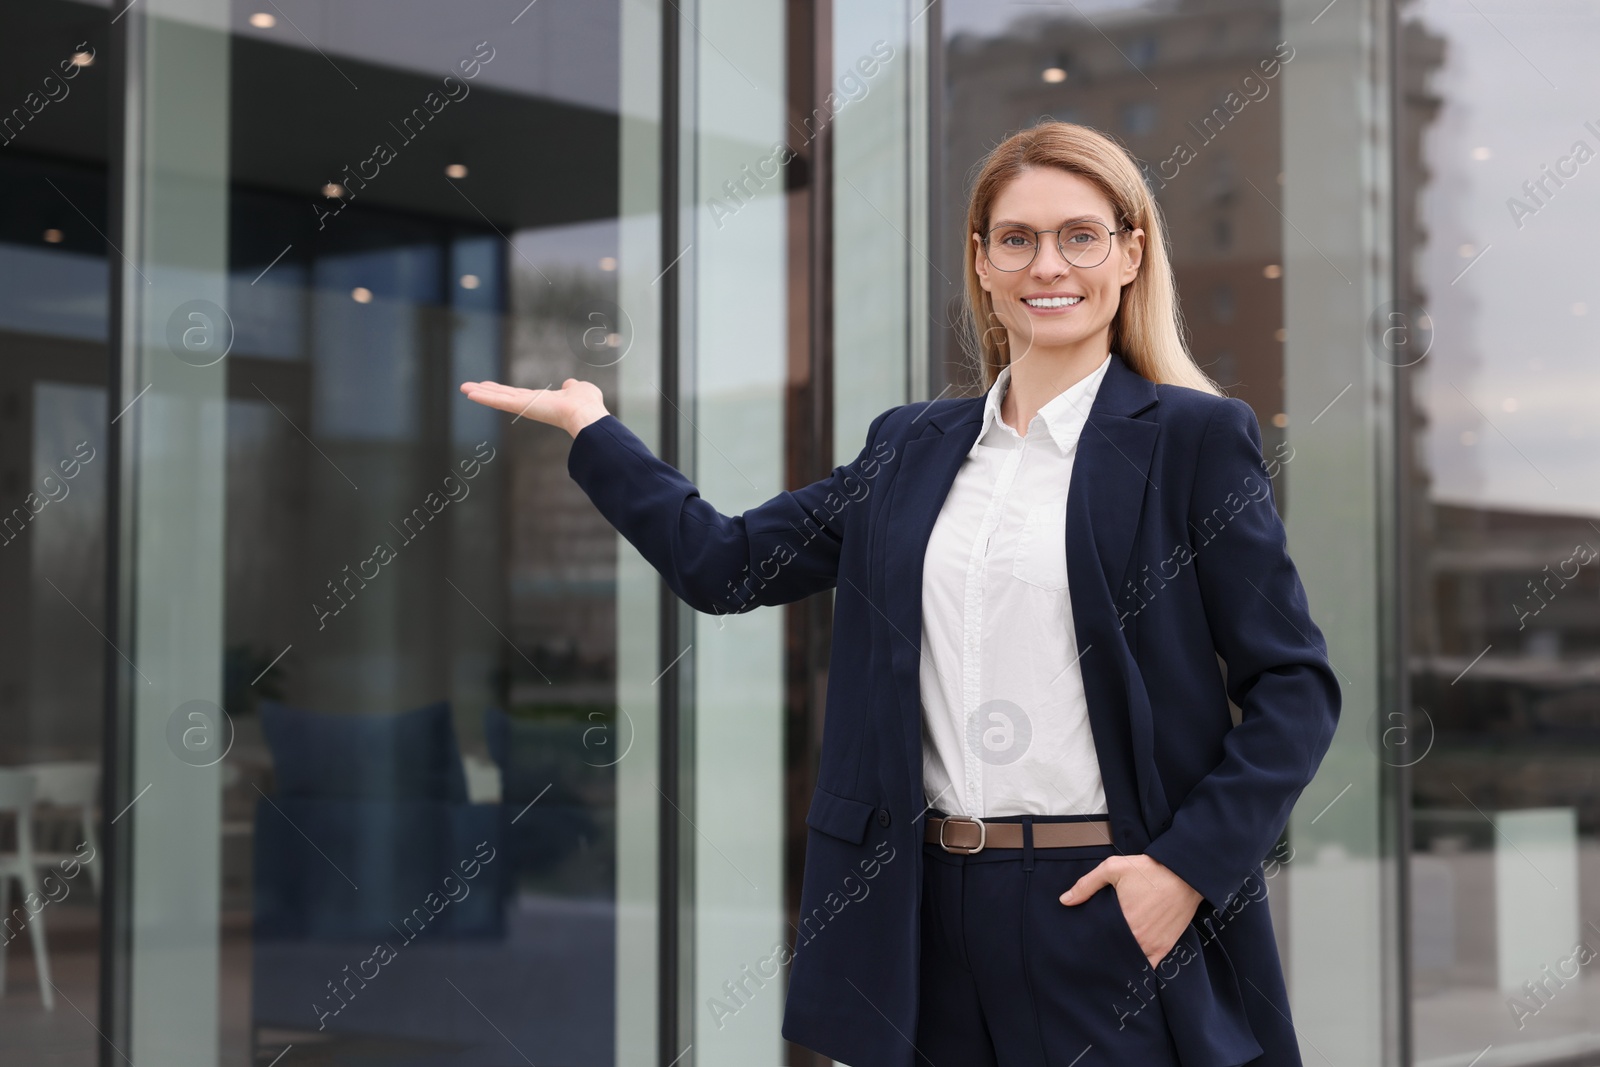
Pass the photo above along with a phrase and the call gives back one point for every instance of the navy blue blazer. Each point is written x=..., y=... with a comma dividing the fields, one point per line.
x=1175, y=556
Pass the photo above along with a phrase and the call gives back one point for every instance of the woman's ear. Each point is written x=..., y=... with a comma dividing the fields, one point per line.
x=980, y=263
x=1133, y=255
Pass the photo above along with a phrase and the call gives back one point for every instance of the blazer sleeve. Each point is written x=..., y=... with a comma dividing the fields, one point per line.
x=777, y=552
x=1277, y=669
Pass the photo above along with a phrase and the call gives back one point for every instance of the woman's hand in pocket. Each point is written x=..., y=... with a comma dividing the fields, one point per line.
x=1156, y=903
x=572, y=407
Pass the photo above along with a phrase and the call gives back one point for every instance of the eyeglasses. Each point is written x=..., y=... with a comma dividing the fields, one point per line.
x=1085, y=243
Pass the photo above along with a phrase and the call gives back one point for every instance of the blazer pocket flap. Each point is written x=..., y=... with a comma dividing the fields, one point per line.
x=839, y=816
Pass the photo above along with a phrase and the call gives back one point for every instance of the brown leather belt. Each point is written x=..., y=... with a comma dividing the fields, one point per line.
x=958, y=833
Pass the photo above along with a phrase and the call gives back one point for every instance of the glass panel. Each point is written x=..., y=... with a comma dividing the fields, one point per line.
x=1503, y=525
x=736, y=357
x=1275, y=213
x=394, y=659
x=54, y=471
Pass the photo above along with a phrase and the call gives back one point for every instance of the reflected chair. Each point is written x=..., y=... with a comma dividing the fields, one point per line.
x=17, y=790
x=367, y=817
x=74, y=786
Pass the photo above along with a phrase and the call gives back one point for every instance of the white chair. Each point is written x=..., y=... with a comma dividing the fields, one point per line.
x=75, y=786
x=16, y=798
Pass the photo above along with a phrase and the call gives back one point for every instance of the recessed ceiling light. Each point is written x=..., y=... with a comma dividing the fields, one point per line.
x=469, y=281
x=455, y=170
x=82, y=59
x=608, y=263
x=333, y=190
x=263, y=20
x=54, y=236
x=1272, y=270
x=361, y=294
x=1054, y=75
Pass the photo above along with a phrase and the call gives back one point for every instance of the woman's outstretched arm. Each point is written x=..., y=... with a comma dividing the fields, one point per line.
x=774, y=553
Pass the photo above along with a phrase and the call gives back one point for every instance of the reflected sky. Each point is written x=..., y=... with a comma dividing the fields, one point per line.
x=1511, y=381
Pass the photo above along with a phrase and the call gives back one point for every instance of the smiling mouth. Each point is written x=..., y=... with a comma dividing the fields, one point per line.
x=1052, y=301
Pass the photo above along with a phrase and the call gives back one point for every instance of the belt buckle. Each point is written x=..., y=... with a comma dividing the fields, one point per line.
x=983, y=834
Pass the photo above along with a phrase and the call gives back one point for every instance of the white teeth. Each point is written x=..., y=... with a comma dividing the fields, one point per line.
x=1053, y=302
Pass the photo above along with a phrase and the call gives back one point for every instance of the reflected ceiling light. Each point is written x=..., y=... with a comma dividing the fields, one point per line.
x=1054, y=75
x=263, y=20
x=1280, y=334
x=1281, y=419
x=608, y=263
x=1272, y=270
x=333, y=190
x=82, y=59
x=361, y=294
x=54, y=236
x=1508, y=404
x=1481, y=152
x=1467, y=251
x=455, y=170
x=470, y=281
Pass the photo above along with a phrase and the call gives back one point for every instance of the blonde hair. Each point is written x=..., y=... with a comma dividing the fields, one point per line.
x=1148, y=328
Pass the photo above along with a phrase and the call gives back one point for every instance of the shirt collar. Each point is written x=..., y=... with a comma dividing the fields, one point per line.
x=1064, y=415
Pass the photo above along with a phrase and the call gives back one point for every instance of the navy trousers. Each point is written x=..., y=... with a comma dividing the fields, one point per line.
x=1011, y=977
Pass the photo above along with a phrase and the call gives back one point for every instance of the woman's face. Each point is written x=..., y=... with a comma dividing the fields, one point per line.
x=1046, y=198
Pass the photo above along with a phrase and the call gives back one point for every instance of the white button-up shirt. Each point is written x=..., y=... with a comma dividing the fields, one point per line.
x=1005, y=725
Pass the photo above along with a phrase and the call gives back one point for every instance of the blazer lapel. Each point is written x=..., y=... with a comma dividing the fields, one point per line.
x=928, y=470
x=1110, y=478
x=1110, y=483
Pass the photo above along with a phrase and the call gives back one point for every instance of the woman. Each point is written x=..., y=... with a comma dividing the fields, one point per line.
x=1063, y=827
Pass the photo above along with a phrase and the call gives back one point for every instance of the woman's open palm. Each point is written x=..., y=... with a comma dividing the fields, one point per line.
x=572, y=407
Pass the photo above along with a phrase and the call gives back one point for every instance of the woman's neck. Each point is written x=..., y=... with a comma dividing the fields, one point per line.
x=1038, y=379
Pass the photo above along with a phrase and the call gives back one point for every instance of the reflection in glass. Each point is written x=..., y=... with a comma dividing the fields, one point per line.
x=1503, y=534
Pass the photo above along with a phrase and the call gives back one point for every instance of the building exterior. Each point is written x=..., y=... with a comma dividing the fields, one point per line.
x=343, y=728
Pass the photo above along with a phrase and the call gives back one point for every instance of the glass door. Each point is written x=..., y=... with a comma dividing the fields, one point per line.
x=384, y=707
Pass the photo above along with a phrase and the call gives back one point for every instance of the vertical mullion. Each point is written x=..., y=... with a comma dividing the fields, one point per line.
x=124, y=79
x=669, y=969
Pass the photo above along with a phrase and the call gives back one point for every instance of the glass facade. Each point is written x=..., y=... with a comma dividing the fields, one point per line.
x=337, y=726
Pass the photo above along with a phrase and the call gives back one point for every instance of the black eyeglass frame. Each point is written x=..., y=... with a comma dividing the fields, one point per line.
x=1040, y=233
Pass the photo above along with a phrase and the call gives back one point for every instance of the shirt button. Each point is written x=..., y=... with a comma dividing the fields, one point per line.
x=883, y=816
